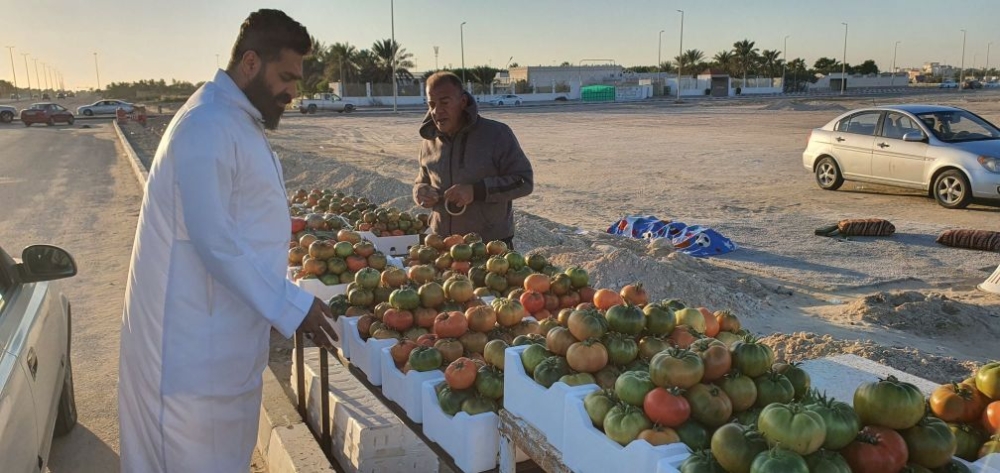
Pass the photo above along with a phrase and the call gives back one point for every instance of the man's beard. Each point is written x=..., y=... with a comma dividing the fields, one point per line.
x=270, y=106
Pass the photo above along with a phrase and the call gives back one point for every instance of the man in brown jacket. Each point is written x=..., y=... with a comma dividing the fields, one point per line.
x=471, y=168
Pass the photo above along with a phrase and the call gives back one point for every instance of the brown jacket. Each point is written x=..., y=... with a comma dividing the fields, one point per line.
x=485, y=154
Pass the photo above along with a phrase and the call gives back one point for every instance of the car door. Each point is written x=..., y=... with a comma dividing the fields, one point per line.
x=895, y=161
x=19, y=430
x=853, y=138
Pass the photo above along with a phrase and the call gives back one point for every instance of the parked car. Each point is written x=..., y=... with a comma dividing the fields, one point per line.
x=317, y=102
x=60, y=95
x=972, y=84
x=948, y=85
x=951, y=153
x=7, y=113
x=45, y=96
x=47, y=113
x=507, y=99
x=104, y=107
x=36, y=375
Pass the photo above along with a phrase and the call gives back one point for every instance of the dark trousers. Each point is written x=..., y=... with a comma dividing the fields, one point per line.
x=509, y=242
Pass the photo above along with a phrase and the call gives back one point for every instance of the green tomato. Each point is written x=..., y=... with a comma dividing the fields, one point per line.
x=988, y=380
x=478, y=405
x=659, y=319
x=751, y=357
x=632, y=387
x=578, y=379
x=842, y=423
x=597, y=404
x=489, y=382
x=550, y=370
x=773, y=388
x=930, y=443
x=735, y=446
x=694, y=434
x=889, y=403
x=792, y=427
x=968, y=440
x=701, y=461
x=451, y=400
x=624, y=422
x=532, y=356
x=798, y=377
x=779, y=460
x=826, y=461
x=622, y=348
x=425, y=359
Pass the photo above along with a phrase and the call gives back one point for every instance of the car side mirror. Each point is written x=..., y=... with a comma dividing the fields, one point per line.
x=45, y=263
x=914, y=136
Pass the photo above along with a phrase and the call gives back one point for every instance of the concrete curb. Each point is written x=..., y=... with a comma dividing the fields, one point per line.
x=283, y=439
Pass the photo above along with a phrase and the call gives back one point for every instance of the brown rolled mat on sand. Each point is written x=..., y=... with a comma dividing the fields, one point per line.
x=865, y=227
x=984, y=240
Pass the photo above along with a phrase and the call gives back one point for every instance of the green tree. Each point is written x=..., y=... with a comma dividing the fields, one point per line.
x=867, y=67
x=385, y=50
x=341, y=65
x=746, y=56
x=826, y=65
x=691, y=61
x=771, y=62
x=726, y=61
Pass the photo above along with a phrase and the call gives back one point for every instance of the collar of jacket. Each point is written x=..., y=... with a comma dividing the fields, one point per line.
x=230, y=92
x=428, y=130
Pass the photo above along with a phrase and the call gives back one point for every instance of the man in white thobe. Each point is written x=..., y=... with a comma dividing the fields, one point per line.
x=207, y=279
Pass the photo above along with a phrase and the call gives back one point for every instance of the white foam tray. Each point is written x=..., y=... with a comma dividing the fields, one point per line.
x=320, y=290
x=988, y=464
x=392, y=246
x=405, y=389
x=366, y=355
x=839, y=376
x=542, y=408
x=341, y=344
x=586, y=449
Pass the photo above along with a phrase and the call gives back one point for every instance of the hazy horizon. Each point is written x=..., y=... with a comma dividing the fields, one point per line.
x=180, y=39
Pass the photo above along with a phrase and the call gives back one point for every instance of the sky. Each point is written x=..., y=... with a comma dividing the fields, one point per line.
x=179, y=39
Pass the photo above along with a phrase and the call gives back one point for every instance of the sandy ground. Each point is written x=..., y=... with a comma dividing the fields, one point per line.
x=736, y=166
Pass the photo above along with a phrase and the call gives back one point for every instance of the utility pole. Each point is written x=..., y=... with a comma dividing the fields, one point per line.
x=680, y=57
x=38, y=78
x=392, y=62
x=784, y=65
x=98, y=70
x=985, y=71
x=45, y=68
x=892, y=80
x=461, y=31
x=659, y=49
x=843, y=64
x=27, y=72
x=435, y=58
x=961, y=73
x=10, y=49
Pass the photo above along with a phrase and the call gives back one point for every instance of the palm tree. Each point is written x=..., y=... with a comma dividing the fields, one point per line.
x=369, y=66
x=342, y=65
x=385, y=50
x=313, y=66
x=770, y=59
x=691, y=60
x=725, y=60
x=746, y=56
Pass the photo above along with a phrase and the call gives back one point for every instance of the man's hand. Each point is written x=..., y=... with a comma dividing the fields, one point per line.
x=316, y=326
x=427, y=196
x=460, y=194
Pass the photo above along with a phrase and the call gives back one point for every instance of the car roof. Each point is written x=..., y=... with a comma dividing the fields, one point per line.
x=919, y=108
x=41, y=103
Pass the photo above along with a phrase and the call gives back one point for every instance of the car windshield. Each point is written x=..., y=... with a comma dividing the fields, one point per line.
x=954, y=126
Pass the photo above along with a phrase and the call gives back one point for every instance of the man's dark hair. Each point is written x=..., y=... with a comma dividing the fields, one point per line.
x=268, y=32
x=446, y=77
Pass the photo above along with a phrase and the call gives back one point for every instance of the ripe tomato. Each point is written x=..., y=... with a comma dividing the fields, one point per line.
x=876, y=450
x=666, y=407
x=957, y=402
x=461, y=373
x=991, y=418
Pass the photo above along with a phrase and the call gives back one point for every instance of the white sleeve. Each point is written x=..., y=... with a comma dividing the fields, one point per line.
x=204, y=156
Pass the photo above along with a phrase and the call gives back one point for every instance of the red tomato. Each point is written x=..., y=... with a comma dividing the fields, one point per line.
x=876, y=450
x=991, y=418
x=666, y=407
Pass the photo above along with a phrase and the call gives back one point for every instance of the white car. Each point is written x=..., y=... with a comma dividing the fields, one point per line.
x=104, y=107
x=36, y=376
x=951, y=153
x=508, y=99
x=321, y=102
x=7, y=113
x=948, y=85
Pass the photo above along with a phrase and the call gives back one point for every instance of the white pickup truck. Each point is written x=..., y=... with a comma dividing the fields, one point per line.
x=318, y=102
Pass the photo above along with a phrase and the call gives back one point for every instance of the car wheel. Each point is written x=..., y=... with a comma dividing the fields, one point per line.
x=349, y=108
x=51, y=122
x=88, y=112
x=6, y=117
x=302, y=111
x=66, y=413
x=27, y=124
x=952, y=190
x=70, y=121
x=312, y=109
x=517, y=104
x=828, y=174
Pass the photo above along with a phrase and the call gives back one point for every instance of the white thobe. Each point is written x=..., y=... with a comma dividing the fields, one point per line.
x=206, y=284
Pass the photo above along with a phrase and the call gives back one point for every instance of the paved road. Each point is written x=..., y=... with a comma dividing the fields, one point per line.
x=69, y=186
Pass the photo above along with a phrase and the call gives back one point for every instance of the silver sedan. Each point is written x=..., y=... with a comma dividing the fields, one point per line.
x=951, y=153
x=36, y=377
x=104, y=107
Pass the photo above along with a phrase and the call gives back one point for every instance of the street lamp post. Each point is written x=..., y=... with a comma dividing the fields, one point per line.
x=435, y=58
x=461, y=32
x=892, y=79
x=10, y=49
x=784, y=64
x=27, y=72
x=98, y=71
x=680, y=57
x=392, y=62
x=45, y=67
x=843, y=64
x=659, y=49
x=961, y=71
x=986, y=70
x=38, y=77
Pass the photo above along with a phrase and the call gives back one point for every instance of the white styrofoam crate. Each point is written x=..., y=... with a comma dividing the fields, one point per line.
x=339, y=326
x=366, y=355
x=988, y=464
x=405, y=389
x=367, y=436
x=542, y=408
x=587, y=449
x=321, y=290
x=839, y=376
x=392, y=246
x=472, y=441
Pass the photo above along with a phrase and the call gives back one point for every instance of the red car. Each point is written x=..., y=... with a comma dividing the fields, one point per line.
x=47, y=113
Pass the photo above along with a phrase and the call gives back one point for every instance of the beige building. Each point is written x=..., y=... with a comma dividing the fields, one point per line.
x=543, y=76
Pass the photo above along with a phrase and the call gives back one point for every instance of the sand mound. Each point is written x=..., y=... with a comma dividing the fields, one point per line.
x=923, y=314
